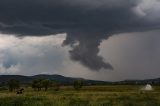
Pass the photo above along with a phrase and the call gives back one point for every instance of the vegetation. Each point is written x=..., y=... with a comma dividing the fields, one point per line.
x=40, y=83
x=52, y=95
x=46, y=84
x=13, y=85
x=56, y=86
x=117, y=95
x=37, y=84
x=78, y=84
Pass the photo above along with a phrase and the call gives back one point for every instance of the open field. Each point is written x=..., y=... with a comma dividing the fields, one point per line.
x=117, y=95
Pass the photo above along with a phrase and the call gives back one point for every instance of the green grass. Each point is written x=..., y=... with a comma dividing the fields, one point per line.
x=117, y=95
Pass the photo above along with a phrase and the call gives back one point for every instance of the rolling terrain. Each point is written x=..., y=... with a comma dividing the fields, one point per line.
x=69, y=80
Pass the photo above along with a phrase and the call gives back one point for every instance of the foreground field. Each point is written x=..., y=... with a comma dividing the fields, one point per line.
x=88, y=96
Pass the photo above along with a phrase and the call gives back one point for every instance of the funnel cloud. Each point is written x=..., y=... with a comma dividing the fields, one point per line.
x=86, y=22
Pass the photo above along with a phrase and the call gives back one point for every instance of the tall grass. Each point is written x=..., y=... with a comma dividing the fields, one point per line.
x=87, y=96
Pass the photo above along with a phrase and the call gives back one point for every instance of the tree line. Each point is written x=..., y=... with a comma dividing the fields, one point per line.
x=42, y=84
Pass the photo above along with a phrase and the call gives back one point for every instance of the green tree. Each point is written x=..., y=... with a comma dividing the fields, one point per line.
x=46, y=84
x=78, y=84
x=13, y=84
x=37, y=84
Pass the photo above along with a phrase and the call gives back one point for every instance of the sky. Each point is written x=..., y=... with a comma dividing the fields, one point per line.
x=94, y=39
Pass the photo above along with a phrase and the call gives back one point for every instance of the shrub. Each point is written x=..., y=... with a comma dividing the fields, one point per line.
x=78, y=84
x=37, y=84
x=13, y=84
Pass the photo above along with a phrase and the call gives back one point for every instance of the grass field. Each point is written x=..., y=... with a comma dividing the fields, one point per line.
x=117, y=95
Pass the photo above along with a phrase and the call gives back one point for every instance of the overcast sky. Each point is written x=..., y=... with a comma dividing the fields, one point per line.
x=93, y=39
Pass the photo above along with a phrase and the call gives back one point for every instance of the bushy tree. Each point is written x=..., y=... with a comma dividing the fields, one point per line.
x=13, y=84
x=46, y=84
x=78, y=84
x=40, y=83
x=37, y=84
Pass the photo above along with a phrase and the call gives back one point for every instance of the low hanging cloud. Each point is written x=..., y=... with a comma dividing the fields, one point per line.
x=86, y=22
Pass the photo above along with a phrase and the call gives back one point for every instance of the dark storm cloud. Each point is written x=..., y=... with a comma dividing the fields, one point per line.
x=34, y=17
x=87, y=22
x=86, y=48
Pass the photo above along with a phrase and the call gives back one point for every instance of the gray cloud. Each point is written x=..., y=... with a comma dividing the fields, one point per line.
x=31, y=55
x=87, y=48
x=87, y=22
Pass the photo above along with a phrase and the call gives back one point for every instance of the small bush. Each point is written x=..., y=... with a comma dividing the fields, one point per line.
x=3, y=88
x=78, y=84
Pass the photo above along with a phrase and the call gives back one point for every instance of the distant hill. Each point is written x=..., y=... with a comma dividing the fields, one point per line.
x=155, y=81
x=69, y=80
x=59, y=78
